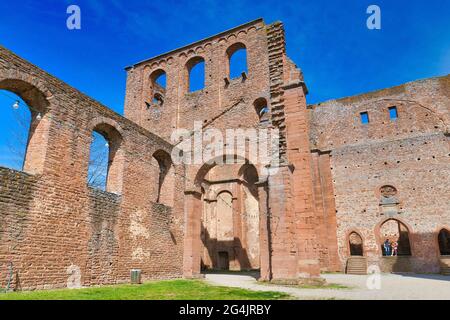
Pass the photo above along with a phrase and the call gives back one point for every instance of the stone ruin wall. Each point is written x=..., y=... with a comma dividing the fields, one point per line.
x=53, y=227
x=411, y=153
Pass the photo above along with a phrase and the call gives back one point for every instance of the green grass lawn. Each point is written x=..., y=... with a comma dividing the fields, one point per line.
x=156, y=290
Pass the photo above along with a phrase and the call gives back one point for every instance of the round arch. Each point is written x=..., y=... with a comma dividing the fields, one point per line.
x=200, y=207
x=403, y=235
x=223, y=159
x=165, y=191
x=36, y=96
x=443, y=241
x=230, y=51
x=112, y=133
x=355, y=243
x=189, y=66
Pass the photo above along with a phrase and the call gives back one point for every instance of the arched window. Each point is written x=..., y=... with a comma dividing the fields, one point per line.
x=395, y=234
x=444, y=242
x=166, y=178
x=24, y=124
x=195, y=74
x=261, y=109
x=98, y=161
x=355, y=243
x=105, y=159
x=158, y=88
x=237, y=60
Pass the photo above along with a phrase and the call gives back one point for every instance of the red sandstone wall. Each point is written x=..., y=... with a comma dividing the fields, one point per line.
x=182, y=108
x=292, y=230
x=52, y=220
x=326, y=186
x=411, y=153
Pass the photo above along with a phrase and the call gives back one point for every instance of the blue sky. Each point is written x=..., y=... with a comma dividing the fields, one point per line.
x=328, y=40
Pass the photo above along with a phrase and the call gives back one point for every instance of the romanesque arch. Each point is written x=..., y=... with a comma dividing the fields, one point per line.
x=195, y=74
x=355, y=244
x=158, y=82
x=38, y=130
x=395, y=230
x=444, y=242
x=165, y=178
x=110, y=132
x=224, y=218
x=237, y=60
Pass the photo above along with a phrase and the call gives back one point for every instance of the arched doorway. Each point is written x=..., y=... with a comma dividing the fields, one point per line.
x=355, y=243
x=230, y=218
x=394, y=233
x=248, y=249
x=444, y=242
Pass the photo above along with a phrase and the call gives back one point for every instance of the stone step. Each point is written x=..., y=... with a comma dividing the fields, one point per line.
x=356, y=265
x=445, y=270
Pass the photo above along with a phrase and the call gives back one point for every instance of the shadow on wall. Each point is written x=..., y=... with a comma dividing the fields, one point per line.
x=225, y=255
x=417, y=252
x=400, y=249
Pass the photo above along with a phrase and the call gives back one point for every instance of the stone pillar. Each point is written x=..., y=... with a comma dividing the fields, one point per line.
x=283, y=237
x=264, y=230
x=329, y=211
x=325, y=211
x=192, y=241
x=301, y=193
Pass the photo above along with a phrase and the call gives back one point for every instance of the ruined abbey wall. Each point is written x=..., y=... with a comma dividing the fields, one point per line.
x=410, y=153
x=334, y=179
x=289, y=231
x=53, y=227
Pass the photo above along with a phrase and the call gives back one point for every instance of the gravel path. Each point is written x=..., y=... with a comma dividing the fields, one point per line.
x=392, y=286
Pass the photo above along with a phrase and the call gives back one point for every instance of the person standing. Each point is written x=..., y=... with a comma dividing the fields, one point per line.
x=387, y=247
x=394, y=248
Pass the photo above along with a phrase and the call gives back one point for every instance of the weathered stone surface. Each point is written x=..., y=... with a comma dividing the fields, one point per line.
x=336, y=177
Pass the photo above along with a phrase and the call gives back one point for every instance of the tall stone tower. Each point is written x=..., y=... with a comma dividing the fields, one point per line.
x=283, y=238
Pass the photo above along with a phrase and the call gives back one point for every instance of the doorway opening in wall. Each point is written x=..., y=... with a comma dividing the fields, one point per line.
x=223, y=261
x=230, y=219
x=24, y=124
x=395, y=238
x=444, y=242
x=355, y=244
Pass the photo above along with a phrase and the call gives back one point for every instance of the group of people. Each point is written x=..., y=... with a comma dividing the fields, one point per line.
x=390, y=248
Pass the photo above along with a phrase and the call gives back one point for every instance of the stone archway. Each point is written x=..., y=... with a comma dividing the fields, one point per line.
x=444, y=242
x=356, y=244
x=394, y=230
x=238, y=187
x=36, y=139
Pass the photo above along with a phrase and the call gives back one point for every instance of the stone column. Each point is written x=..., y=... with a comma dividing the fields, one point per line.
x=192, y=241
x=301, y=203
x=264, y=231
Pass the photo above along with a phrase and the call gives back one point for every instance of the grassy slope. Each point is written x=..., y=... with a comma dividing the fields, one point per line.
x=158, y=290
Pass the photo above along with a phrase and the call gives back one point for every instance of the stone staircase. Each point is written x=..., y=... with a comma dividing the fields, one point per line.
x=356, y=265
x=445, y=266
